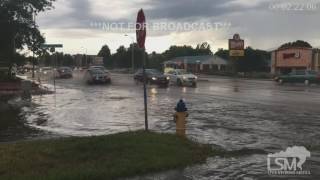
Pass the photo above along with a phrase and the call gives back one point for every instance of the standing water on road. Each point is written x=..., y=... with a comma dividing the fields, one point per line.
x=247, y=116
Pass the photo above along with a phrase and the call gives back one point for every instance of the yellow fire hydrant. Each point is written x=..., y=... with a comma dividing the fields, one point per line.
x=180, y=118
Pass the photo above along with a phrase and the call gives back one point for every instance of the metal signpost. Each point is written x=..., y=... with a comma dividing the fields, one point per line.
x=141, y=33
x=52, y=48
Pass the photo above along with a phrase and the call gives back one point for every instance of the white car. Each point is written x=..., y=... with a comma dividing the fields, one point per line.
x=182, y=78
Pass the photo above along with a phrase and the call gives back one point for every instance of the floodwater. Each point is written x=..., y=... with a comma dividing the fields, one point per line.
x=250, y=116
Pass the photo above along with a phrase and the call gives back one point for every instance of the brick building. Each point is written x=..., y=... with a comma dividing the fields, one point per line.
x=286, y=60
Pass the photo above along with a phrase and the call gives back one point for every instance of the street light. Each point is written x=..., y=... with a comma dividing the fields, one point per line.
x=132, y=51
x=85, y=54
x=198, y=66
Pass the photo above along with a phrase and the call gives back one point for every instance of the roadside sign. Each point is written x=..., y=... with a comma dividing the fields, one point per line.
x=52, y=46
x=141, y=33
x=141, y=29
x=236, y=53
x=236, y=46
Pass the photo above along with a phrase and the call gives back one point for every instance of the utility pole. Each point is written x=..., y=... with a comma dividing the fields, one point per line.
x=34, y=21
x=132, y=52
x=86, y=60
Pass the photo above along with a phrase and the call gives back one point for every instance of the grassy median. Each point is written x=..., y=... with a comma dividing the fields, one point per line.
x=103, y=157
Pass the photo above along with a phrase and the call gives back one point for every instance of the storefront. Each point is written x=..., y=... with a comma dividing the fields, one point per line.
x=286, y=60
x=198, y=64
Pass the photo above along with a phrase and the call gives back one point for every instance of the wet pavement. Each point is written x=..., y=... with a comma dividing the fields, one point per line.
x=248, y=115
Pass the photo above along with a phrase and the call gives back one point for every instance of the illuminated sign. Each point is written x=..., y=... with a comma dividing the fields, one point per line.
x=295, y=55
x=236, y=46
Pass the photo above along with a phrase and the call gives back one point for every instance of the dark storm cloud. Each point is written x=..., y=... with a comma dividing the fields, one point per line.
x=81, y=12
x=254, y=20
x=78, y=16
x=181, y=9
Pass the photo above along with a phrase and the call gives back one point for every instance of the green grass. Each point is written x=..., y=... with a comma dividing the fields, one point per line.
x=102, y=157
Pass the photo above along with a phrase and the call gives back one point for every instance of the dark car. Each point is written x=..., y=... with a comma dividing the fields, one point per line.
x=153, y=76
x=64, y=72
x=302, y=76
x=97, y=76
x=98, y=67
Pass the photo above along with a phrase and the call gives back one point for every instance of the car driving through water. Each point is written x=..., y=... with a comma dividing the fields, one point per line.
x=97, y=76
x=63, y=73
x=182, y=78
x=153, y=76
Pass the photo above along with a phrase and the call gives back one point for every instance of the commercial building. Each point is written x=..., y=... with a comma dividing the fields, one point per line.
x=286, y=60
x=87, y=60
x=198, y=64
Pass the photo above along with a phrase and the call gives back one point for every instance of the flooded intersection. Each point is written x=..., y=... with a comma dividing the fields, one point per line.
x=250, y=116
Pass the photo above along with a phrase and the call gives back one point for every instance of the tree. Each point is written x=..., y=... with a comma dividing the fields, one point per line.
x=106, y=54
x=203, y=49
x=177, y=51
x=223, y=53
x=120, y=58
x=18, y=29
x=155, y=60
x=68, y=60
x=298, y=43
x=123, y=57
x=255, y=60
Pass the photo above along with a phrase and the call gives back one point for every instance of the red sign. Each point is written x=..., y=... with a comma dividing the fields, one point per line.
x=236, y=46
x=236, y=43
x=141, y=29
x=291, y=55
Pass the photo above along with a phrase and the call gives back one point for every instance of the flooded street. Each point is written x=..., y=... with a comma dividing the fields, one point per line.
x=251, y=116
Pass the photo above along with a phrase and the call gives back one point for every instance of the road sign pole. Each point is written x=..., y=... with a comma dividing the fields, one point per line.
x=132, y=56
x=141, y=33
x=236, y=50
x=234, y=62
x=52, y=48
x=54, y=72
x=145, y=92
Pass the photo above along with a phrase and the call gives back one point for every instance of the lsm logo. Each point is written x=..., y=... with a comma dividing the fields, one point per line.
x=289, y=162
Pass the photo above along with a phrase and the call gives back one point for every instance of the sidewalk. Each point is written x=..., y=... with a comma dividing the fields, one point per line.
x=15, y=87
x=205, y=77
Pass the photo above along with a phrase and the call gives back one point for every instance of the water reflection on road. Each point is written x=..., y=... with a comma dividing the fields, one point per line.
x=234, y=114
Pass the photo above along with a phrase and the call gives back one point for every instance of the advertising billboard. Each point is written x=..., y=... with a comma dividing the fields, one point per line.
x=236, y=46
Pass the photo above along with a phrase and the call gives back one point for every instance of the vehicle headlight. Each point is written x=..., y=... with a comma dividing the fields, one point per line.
x=168, y=78
x=45, y=72
x=154, y=78
x=196, y=77
x=184, y=77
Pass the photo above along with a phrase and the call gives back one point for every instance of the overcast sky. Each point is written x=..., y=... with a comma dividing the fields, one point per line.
x=261, y=23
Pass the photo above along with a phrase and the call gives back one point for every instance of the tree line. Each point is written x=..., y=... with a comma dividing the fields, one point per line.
x=254, y=60
x=122, y=58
